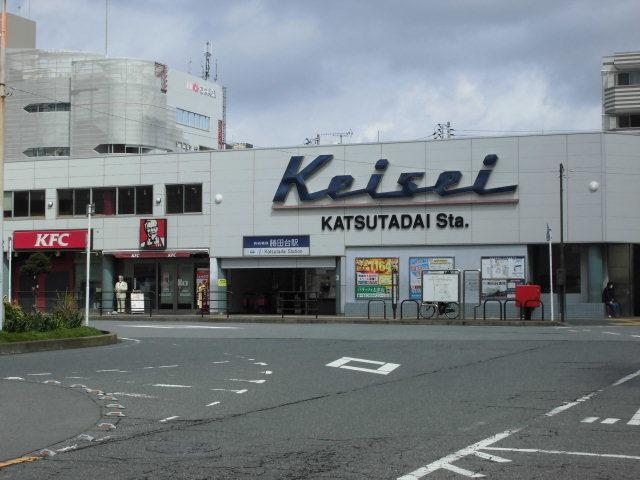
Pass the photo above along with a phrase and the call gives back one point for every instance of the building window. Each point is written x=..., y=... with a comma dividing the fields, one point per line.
x=27, y=203
x=128, y=200
x=110, y=148
x=47, y=152
x=192, y=119
x=48, y=107
x=539, y=261
x=629, y=121
x=184, y=198
x=629, y=78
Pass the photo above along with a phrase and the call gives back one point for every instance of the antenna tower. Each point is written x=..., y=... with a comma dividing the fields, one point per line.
x=206, y=68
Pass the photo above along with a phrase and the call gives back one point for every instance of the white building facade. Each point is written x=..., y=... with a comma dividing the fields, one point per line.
x=333, y=219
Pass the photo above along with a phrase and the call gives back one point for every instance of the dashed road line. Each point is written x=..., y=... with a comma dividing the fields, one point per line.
x=213, y=404
x=169, y=385
x=611, y=333
x=589, y=419
x=610, y=421
x=38, y=374
x=229, y=390
x=626, y=379
x=168, y=366
x=563, y=452
x=246, y=381
x=168, y=419
x=567, y=406
x=223, y=361
x=13, y=378
x=133, y=395
x=635, y=420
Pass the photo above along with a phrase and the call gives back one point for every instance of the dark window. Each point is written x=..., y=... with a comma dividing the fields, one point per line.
x=623, y=121
x=48, y=107
x=105, y=201
x=81, y=199
x=174, y=199
x=623, y=79
x=36, y=203
x=144, y=200
x=21, y=204
x=47, y=152
x=126, y=200
x=193, y=198
x=634, y=121
x=65, y=202
x=539, y=261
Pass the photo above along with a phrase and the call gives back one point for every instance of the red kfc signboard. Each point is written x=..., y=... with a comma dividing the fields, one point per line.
x=153, y=234
x=50, y=240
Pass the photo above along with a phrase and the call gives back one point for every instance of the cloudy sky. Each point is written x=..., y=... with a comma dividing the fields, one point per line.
x=393, y=68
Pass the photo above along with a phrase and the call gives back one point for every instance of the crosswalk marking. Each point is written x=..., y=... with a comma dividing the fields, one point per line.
x=610, y=421
x=589, y=419
x=635, y=420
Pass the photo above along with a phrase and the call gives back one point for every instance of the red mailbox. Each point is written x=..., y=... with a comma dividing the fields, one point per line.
x=527, y=296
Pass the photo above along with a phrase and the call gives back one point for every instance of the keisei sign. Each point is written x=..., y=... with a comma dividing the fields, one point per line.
x=276, y=246
x=50, y=240
x=339, y=186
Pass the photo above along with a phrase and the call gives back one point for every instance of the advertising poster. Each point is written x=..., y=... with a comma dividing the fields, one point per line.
x=418, y=264
x=501, y=289
x=373, y=277
x=153, y=233
x=440, y=286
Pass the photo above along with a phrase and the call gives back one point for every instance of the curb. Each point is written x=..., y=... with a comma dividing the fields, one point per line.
x=108, y=338
x=329, y=320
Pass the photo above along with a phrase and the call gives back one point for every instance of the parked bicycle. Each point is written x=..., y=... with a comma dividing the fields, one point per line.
x=440, y=309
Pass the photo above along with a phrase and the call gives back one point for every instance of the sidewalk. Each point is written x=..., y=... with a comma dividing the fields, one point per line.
x=35, y=415
x=336, y=319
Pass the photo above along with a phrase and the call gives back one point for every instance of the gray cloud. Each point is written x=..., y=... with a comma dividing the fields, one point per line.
x=295, y=68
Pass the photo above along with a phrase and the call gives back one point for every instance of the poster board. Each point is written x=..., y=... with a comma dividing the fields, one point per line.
x=440, y=286
x=501, y=275
x=137, y=302
x=418, y=264
x=373, y=277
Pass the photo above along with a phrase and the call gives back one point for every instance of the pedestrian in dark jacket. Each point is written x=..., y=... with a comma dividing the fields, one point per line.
x=609, y=299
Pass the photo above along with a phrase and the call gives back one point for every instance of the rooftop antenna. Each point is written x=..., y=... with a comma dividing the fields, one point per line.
x=206, y=69
x=106, y=27
x=215, y=71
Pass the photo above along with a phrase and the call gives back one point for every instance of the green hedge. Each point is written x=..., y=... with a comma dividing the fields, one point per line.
x=65, y=314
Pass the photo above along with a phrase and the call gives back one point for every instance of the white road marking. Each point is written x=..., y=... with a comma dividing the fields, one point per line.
x=13, y=378
x=247, y=381
x=637, y=336
x=130, y=339
x=445, y=462
x=223, y=361
x=147, y=368
x=67, y=449
x=85, y=437
x=611, y=333
x=112, y=370
x=39, y=374
x=168, y=366
x=212, y=404
x=55, y=382
x=609, y=421
x=625, y=379
x=228, y=390
x=115, y=414
x=572, y=330
x=168, y=385
x=589, y=419
x=586, y=330
x=384, y=369
x=76, y=385
x=567, y=406
x=78, y=378
x=183, y=327
x=635, y=420
x=114, y=405
x=493, y=458
x=168, y=419
x=261, y=363
x=267, y=372
x=563, y=452
x=133, y=395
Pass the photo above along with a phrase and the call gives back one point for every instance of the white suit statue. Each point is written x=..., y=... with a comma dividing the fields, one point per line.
x=121, y=293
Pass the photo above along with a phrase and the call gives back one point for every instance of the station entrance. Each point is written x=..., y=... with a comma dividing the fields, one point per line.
x=262, y=290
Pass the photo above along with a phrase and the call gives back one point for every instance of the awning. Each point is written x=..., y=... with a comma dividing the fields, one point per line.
x=155, y=254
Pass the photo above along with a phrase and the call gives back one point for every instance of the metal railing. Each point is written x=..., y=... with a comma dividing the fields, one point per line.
x=410, y=300
x=220, y=297
x=298, y=303
x=484, y=307
x=513, y=300
x=384, y=307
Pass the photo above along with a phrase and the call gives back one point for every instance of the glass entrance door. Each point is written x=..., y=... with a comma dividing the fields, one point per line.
x=186, y=292
x=167, y=279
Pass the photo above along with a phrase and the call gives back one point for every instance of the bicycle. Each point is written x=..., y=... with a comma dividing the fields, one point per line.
x=450, y=310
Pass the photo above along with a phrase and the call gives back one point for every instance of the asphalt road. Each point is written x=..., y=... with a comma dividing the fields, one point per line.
x=225, y=401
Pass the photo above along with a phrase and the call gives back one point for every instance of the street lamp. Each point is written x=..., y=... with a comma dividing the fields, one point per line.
x=91, y=210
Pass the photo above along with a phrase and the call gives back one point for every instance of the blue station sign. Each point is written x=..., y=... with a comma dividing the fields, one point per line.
x=276, y=246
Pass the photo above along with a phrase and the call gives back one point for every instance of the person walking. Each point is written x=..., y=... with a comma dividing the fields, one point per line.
x=609, y=299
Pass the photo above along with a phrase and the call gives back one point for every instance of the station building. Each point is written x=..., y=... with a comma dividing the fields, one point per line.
x=335, y=219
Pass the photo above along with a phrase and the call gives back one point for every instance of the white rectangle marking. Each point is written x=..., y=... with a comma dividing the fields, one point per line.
x=589, y=419
x=167, y=385
x=610, y=421
x=635, y=420
x=383, y=369
x=563, y=452
x=212, y=404
x=567, y=406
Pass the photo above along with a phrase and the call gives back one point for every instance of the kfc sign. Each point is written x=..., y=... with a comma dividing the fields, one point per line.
x=50, y=240
x=153, y=234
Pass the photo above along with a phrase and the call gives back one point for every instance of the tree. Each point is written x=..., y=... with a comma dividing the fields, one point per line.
x=36, y=264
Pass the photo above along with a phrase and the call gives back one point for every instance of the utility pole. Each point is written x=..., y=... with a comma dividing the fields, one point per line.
x=3, y=94
x=562, y=277
x=90, y=212
x=549, y=240
x=106, y=28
